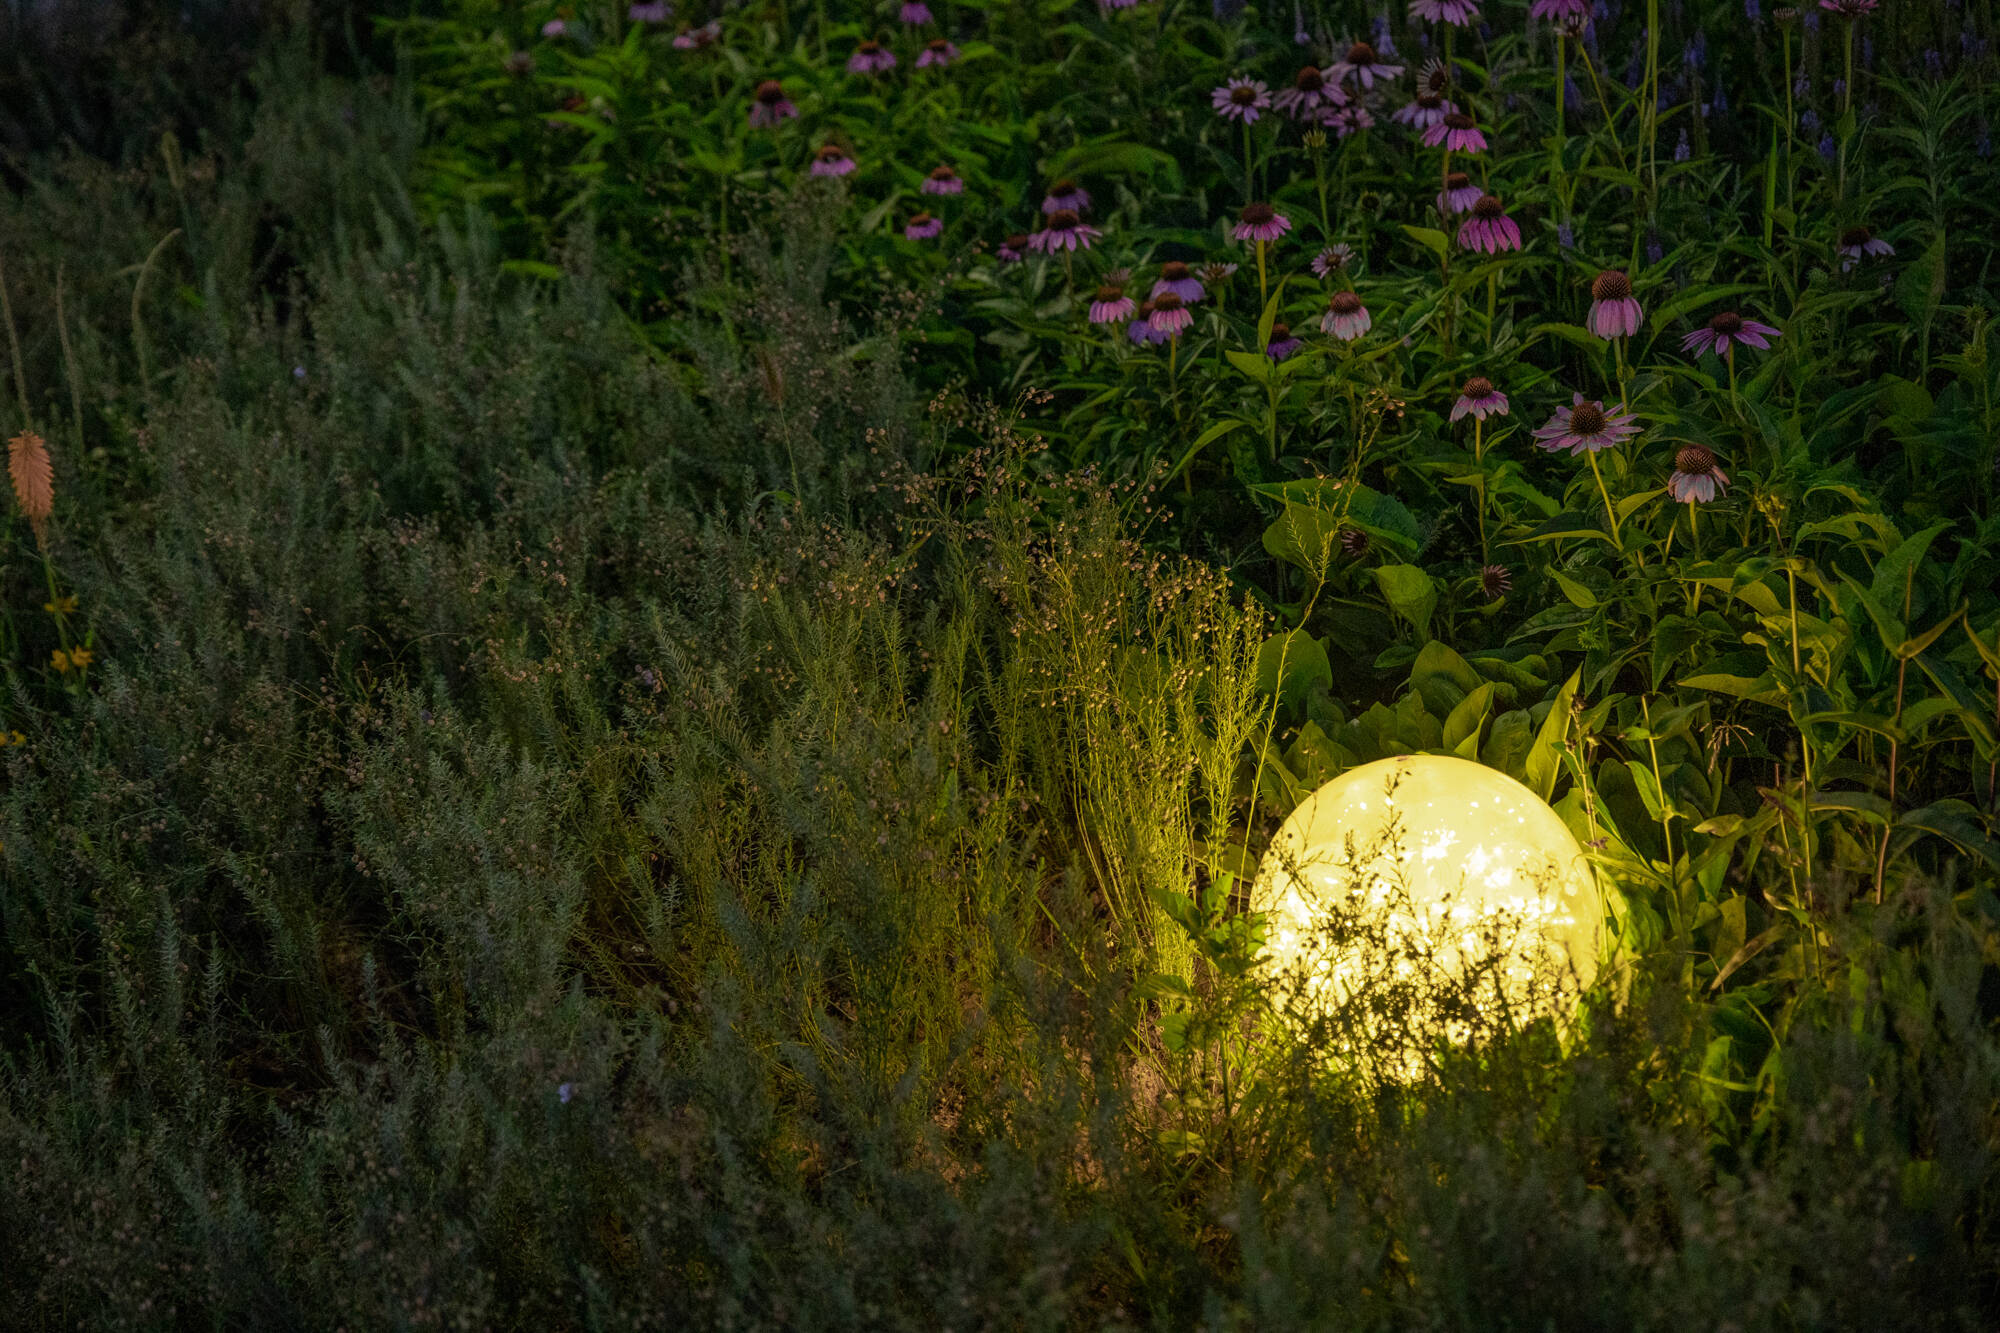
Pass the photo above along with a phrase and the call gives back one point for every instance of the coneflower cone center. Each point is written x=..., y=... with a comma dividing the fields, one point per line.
x=1429, y=101
x=1167, y=301
x=1280, y=332
x=868, y=48
x=1174, y=271
x=1727, y=322
x=1016, y=240
x=918, y=219
x=831, y=154
x=1457, y=180
x=770, y=92
x=1478, y=387
x=1695, y=460
x=1309, y=80
x=944, y=174
x=940, y=45
x=1611, y=286
x=1243, y=94
x=1458, y=120
x=1586, y=419
x=1856, y=236
x=1344, y=303
x=1361, y=53
x=1063, y=187
x=1258, y=214
x=1064, y=219
x=1109, y=293
x=1487, y=208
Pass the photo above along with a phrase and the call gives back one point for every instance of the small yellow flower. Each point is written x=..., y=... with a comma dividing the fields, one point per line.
x=80, y=657
x=19, y=739
x=60, y=661
x=62, y=606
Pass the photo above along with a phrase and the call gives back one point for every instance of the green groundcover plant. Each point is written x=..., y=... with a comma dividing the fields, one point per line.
x=602, y=728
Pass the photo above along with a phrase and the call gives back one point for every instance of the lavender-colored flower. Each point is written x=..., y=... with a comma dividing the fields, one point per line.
x=1175, y=278
x=1565, y=236
x=1310, y=91
x=1065, y=231
x=695, y=39
x=1066, y=194
x=1241, y=99
x=1345, y=318
x=1170, y=315
x=1456, y=133
x=1559, y=10
x=770, y=105
x=871, y=57
x=832, y=160
x=1583, y=427
x=1427, y=110
x=1826, y=147
x=923, y=227
x=1479, y=400
x=1655, y=252
x=1111, y=304
x=1364, y=67
x=657, y=11
x=1682, y=152
x=564, y=1091
x=1489, y=229
x=1753, y=11
x=1725, y=330
x=942, y=180
x=1335, y=258
x=1495, y=582
x=1848, y=9
x=1014, y=249
x=1282, y=343
x=939, y=53
x=1141, y=330
x=1857, y=243
x=1349, y=119
x=1261, y=222
x=1696, y=478
x=915, y=13
x=554, y=28
x=1614, y=311
x=1459, y=194
x=299, y=373
x=1459, y=13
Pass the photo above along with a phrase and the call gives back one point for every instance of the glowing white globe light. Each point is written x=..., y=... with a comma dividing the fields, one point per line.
x=1466, y=867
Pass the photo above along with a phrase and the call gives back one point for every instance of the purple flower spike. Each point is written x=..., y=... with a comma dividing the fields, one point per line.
x=1858, y=243
x=832, y=160
x=1696, y=479
x=1065, y=194
x=1363, y=67
x=1261, y=222
x=1727, y=329
x=1111, y=305
x=1175, y=278
x=1241, y=99
x=564, y=1091
x=1585, y=427
x=1283, y=344
x=1479, y=400
x=1489, y=229
x=1457, y=133
x=1458, y=13
x=923, y=227
x=1065, y=232
x=939, y=53
x=915, y=13
x=1614, y=313
x=942, y=180
x=1459, y=194
x=1345, y=318
x=1310, y=91
x=871, y=58
x=770, y=105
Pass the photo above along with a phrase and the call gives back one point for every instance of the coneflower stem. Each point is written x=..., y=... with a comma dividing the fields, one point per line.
x=1263, y=295
x=1610, y=510
x=1249, y=175
x=1479, y=462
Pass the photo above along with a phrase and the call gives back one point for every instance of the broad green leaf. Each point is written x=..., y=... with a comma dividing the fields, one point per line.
x=1411, y=593
x=1289, y=665
x=1543, y=760
x=1461, y=729
x=1431, y=239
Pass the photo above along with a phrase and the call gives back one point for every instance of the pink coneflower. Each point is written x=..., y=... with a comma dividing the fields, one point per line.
x=832, y=160
x=1364, y=67
x=1458, y=13
x=1310, y=91
x=1459, y=194
x=942, y=180
x=871, y=57
x=1726, y=329
x=922, y=227
x=1141, y=330
x=1584, y=427
x=770, y=105
x=1346, y=120
x=1479, y=400
x=939, y=52
x=1427, y=110
x=553, y=28
x=1345, y=318
x=1241, y=99
x=1696, y=478
x=1614, y=311
x=1261, y=222
x=1175, y=278
x=1065, y=231
x=654, y=12
x=695, y=39
x=1170, y=315
x=1560, y=10
x=1111, y=304
x=1489, y=229
x=1014, y=249
x=1857, y=243
x=1065, y=194
x=915, y=13
x=1335, y=258
x=1282, y=343
x=1495, y=582
x=1456, y=132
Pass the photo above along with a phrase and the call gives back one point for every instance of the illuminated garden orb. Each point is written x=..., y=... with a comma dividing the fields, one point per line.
x=1452, y=858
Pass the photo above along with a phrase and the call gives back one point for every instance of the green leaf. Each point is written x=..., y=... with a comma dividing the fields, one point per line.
x=1955, y=822
x=1921, y=285
x=1411, y=593
x=1543, y=756
x=1289, y=665
x=1575, y=590
x=1431, y=239
x=1206, y=438
x=1254, y=365
x=1461, y=729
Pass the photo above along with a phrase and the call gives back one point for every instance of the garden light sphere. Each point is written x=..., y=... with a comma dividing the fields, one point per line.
x=1454, y=854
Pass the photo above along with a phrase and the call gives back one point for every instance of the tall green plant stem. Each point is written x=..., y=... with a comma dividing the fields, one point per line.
x=1895, y=744
x=1610, y=510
